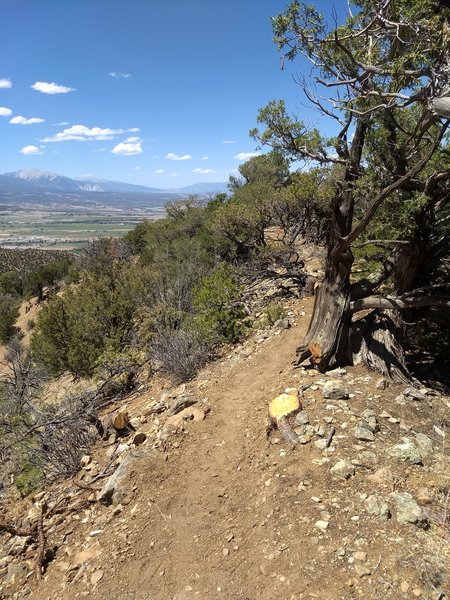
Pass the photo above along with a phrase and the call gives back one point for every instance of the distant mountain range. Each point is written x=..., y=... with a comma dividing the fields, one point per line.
x=32, y=181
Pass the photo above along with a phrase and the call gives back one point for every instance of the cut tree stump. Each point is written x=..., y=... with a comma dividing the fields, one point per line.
x=280, y=409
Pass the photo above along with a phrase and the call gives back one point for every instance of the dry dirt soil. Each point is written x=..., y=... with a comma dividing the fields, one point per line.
x=219, y=510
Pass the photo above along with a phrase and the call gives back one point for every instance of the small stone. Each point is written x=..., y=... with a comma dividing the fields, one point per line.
x=302, y=418
x=382, y=476
x=88, y=554
x=321, y=444
x=96, y=577
x=225, y=552
x=282, y=324
x=408, y=511
x=322, y=525
x=417, y=592
x=376, y=507
x=343, y=468
x=362, y=570
x=139, y=438
x=404, y=586
x=334, y=389
x=85, y=460
x=368, y=457
x=363, y=433
x=407, y=452
x=96, y=532
x=360, y=555
x=425, y=444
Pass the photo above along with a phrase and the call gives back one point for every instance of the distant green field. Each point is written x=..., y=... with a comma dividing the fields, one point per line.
x=65, y=230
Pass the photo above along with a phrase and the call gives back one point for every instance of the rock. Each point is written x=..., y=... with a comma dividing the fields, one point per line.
x=16, y=545
x=339, y=372
x=360, y=432
x=322, y=525
x=370, y=420
x=181, y=403
x=96, y=577
x=382, y=476
x=192, y=413
x=90, y=553
x=404, y=587
x=362, y=570
x=368, y=457
x=139, y=439
x=343, y=469
x=302, y=418
x=425, y=444
x=407, y=452
x=376, y=507
x=360, y=556
x=334, y=389
x=116, y=489
x=16, y=574
x=282, y=324
x=407, y=509
x=85, y=460
x=321, y=444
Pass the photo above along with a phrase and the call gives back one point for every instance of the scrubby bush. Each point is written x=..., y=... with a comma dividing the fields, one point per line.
x=180, y=352
x=9, y=312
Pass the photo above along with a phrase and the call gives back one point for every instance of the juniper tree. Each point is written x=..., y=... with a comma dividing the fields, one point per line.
x=382, y=78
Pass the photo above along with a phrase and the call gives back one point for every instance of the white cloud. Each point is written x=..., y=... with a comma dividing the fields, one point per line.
x=128, y=148
x=81, y=133
x=246, y=155
x=62, y=124
x=203, y=171
x=51, y=88
x=134, y=129
x=158, y=171
x=174, y=174
x=228, y=141
x=31, y=150
x=204, y=158
x=19, y=120
x=5, y=112
x=137, y=168
x=115, y=75
x=5, y=84
x=133, y=139
x=173, y=156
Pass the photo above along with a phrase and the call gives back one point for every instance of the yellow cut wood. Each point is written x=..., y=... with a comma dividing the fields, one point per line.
x=283, y=406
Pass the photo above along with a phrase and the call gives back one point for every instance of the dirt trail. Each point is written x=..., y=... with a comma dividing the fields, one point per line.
x=226, y=513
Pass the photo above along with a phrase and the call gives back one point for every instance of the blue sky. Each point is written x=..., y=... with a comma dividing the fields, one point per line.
x=153, y=92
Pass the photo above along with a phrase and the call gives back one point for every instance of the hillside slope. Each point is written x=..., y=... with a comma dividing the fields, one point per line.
x=212, y=508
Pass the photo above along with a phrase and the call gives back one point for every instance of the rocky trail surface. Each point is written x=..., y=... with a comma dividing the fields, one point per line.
x=209, y=506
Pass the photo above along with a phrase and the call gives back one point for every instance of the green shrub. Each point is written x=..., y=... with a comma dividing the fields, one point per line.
x=273, y=312
x=220, y=310
x=9, y=311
